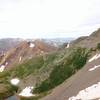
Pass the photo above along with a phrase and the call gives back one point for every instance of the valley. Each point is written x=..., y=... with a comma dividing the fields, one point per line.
x=41, y=70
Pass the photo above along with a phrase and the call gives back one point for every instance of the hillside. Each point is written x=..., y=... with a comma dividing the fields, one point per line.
x=8, y=43
x=87, y=41
x=84, y=85
x=25, y=50
x=39, y=69
x=46, y=70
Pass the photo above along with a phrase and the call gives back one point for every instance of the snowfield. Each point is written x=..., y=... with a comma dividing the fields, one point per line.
x=6, y=63
x=14, y=81
x=32, y=45
x=67, y=45
x=94, y=57
x=2, y=67
x=95, y=67
x=90, y=93
x=20, y=59
x=27, y=92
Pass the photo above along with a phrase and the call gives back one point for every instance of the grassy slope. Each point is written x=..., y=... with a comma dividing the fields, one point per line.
x=55, y=67
x=67, y=67
x=29, y=67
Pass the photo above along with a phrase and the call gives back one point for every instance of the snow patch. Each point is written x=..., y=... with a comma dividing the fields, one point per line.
x=42, y=51
x=32, y=45
x=67, y=45
x=15, y=81
x=94, y=57
x=90, y=93
x=55, y=44
x=95, y=67
x=6, y=63
x=27, y=92
x=2, y=67
x=20, y=59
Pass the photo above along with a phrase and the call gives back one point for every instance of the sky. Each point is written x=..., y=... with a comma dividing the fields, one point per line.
x=48, y=18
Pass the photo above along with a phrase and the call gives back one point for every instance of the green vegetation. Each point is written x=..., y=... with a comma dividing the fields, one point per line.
x=28, y=67
x=6, y=89
x=98, y=46
x=64, y=70
x=58, y=67
x=21, y=71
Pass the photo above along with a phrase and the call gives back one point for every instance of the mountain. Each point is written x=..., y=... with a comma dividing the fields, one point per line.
x=58, y=41
x=25, y=50
x=14, y=51
x=81, y=85
x=56, y=74
x=85, y=84
x=8, y=43
x=88, y=41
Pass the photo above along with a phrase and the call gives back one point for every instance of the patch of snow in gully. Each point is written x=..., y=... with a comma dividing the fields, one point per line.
x=2, y=67
x=94, y=57
x=27, y=92
x=6, y=63
x=55, y=44
x=67, y=45
x=14, y=81
x=95, y=67
x=90, y=93
x=20, y=59
x=32, y=45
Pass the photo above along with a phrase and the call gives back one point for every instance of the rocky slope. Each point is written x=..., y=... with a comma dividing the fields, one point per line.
x=41, y=71
x=8, y=43
x=88, y=41
x=85, y=84
x=25, y=50
x=84, y=79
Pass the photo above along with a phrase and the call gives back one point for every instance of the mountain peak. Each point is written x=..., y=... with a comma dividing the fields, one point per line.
x=88, y=41
x=96, y=33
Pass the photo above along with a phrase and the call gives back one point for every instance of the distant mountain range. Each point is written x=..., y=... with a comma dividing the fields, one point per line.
x=8, y=43
x=58, y=41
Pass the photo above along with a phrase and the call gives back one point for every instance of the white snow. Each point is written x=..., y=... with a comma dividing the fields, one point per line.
x=32, y=45
x=27, y=92
x=94, y=57
x=95, y=67
x=15, y=81
x=90, y=93
x=67, y=45
x=20, y=59
x=6, y=63
x=55, y=44
x=2, y=67
x=42, y=51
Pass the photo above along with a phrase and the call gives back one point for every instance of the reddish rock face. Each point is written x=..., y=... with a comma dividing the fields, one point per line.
x=26, y=50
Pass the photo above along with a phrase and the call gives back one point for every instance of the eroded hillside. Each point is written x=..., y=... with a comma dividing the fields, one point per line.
x=43, y=68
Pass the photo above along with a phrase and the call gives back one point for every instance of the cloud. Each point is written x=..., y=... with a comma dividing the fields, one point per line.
x=31, y=17
x=7, y=4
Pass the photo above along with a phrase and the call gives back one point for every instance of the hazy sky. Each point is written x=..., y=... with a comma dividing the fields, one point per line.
x=48, y=18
